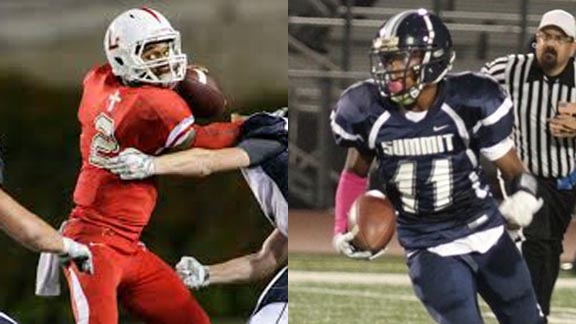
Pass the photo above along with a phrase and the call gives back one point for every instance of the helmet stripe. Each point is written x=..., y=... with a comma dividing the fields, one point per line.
x=400, y=20
x=431, y=36
x=431, y=33
x=392, y=25
x=150, y=11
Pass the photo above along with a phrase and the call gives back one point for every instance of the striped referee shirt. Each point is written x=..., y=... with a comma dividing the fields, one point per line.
x=536, y=98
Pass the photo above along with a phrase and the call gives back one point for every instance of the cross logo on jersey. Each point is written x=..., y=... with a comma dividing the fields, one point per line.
x=113, y=99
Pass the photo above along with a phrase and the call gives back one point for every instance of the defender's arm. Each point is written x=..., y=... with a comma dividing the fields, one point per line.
x=247, y=268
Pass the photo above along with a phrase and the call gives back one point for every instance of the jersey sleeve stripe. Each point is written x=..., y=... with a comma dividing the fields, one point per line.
x=338, y=130
x=498, y=150
x=374, y=131
x=342, y=133
x=7, y=319
x=460, y=125
x=176, y=135
x=500, y=112
x=181, y=138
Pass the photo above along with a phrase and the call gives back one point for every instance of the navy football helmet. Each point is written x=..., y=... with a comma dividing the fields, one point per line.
x=422, y=43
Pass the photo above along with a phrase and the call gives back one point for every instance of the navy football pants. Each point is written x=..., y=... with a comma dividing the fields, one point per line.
x=448, y=285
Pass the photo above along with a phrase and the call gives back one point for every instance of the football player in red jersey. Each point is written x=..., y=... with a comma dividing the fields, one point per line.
x=129, y=102
x=262, y=155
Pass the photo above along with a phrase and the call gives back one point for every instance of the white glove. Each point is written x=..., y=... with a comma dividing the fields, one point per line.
x=341, y=242
x=79, y=254
x=132, y=164
x=519, y=208
x=193, y=273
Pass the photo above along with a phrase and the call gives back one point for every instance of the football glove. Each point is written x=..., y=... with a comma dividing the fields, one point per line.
x=519, y=208
x=79, y=254
x=132, y=164
x=341, y=242
x=193, y=273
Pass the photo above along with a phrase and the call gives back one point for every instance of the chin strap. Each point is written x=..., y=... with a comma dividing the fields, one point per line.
x=409, y=96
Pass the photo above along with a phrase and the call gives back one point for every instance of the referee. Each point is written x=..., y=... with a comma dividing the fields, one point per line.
x=542, y=87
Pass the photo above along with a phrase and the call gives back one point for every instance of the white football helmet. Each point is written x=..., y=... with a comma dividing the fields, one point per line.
x=126, y=38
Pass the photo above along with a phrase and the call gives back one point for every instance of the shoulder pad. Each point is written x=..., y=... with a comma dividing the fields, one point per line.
x=474, y=88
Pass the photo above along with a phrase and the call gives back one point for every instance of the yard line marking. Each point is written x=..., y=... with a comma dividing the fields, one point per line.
x=297, y=276
x=396, y=279
x=355, y=293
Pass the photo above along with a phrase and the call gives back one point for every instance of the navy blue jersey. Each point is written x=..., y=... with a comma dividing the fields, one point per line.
x=275, y=292
x=5, y=319
x=430, y=168
x=269, y=180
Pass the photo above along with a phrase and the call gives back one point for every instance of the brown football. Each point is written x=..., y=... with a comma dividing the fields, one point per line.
x=201, y=93
x=373, y=220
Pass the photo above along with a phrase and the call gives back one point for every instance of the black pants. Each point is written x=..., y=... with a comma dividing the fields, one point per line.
x=544, y=236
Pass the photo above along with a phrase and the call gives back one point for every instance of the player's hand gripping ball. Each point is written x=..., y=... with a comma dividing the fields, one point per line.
x=372, y=220
x=201, y=93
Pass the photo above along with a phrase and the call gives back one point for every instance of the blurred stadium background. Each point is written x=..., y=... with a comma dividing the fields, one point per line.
x=328, y=51
x=47, y=46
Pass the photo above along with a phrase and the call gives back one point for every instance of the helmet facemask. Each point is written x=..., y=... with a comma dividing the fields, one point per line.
x=393, y=69
x=165, y=71
x=130, y=35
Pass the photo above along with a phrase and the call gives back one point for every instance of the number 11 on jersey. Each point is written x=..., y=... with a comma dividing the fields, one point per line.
x=440, y=178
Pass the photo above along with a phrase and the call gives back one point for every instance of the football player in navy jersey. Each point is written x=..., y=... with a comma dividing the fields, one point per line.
x=426, y=131
x=262, y=156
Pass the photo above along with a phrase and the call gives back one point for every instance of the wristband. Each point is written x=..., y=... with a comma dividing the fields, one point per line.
x=350, y=187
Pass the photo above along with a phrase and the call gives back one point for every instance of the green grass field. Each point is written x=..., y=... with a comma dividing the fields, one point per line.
x=317, y=296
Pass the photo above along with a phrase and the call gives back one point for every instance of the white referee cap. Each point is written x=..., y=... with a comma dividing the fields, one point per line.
x=561, y=19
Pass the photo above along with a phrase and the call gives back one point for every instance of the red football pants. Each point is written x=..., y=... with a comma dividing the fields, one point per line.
x=145, y=285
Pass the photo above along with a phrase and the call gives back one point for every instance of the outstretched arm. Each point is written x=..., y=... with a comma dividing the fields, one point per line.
x=35, y=234
x=27, y=228
x=264, y=136
x=253, y=267
x=247, y=268
x=132, y=164
x=200, y=162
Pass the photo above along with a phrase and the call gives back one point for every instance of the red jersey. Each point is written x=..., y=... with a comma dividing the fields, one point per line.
x=114, y=117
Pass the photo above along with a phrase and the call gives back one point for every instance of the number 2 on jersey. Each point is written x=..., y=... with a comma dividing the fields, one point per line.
x=405, y=179
x=103, y=143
